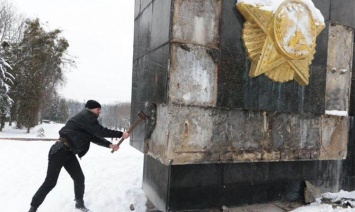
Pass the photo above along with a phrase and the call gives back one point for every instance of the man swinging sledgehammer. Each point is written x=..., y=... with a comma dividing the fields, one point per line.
x=75, y=139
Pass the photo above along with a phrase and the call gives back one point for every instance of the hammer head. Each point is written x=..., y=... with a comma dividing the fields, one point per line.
x=143, y=115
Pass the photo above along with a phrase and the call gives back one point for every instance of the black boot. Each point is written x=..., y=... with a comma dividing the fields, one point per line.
x=79, y=204
x=32, y=209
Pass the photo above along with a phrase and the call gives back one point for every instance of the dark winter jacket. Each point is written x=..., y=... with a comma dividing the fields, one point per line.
x=83, y=128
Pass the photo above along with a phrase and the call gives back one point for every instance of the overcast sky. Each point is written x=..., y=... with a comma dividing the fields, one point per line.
x=100, y=35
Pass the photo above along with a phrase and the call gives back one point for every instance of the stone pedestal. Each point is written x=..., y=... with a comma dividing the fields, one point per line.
x=218, y=137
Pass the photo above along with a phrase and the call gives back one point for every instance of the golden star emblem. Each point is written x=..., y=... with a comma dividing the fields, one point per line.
x=280, y=45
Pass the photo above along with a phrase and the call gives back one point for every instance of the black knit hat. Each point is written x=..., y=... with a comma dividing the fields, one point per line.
x=91, y=104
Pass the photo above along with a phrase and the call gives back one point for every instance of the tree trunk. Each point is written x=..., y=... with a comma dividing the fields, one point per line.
x=2, y=122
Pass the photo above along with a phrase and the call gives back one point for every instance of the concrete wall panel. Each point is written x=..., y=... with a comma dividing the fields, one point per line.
x=196, y=22
x=142, y=33
x=334, y=137
x=160, y=23
x=340, y=49
x=193, y=76
x=159, y=141
x=188, y=134
x=150, y=61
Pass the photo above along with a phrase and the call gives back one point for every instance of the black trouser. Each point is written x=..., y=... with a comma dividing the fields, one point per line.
x=58, y=157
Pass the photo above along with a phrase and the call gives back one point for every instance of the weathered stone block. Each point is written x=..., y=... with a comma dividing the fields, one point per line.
x=193, y=76
x=335, y=131
x=340, y=50
x=196, y=22
x=189, y=134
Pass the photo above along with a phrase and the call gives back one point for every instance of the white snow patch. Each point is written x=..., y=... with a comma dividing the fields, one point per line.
x=336, y=113
x=273, y=5
x=113, y=181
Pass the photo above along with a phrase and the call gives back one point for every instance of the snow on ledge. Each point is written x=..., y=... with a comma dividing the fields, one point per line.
x=272, y=5
x=336, y=113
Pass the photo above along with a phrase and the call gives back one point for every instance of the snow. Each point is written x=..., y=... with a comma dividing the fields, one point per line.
x=334, y=197
x=272, y=5
x=340, y=195
x=321, y=208
x=336, y=112
x=113, y=181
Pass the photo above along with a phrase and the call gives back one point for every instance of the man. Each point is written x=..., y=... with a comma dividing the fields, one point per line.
x=75, y=138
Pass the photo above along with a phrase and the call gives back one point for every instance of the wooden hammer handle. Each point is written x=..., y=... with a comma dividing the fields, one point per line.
x=138, y=120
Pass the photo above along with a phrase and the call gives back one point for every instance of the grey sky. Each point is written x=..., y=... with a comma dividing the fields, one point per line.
x=100, y=35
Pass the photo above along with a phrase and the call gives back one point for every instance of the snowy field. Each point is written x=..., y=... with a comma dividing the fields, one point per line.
x=113, y=181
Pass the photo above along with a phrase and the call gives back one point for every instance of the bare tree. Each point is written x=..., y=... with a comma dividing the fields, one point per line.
x=124, y=115
x=12, y=24
x=74, y=107
x=116, y=116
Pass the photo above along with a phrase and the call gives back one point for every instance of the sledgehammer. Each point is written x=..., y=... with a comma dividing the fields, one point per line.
x=141, y=116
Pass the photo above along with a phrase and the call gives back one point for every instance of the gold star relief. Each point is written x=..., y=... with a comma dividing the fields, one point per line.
x=280, y=45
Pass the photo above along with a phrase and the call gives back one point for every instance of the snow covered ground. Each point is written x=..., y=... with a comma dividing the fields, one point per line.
x=113, y=181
